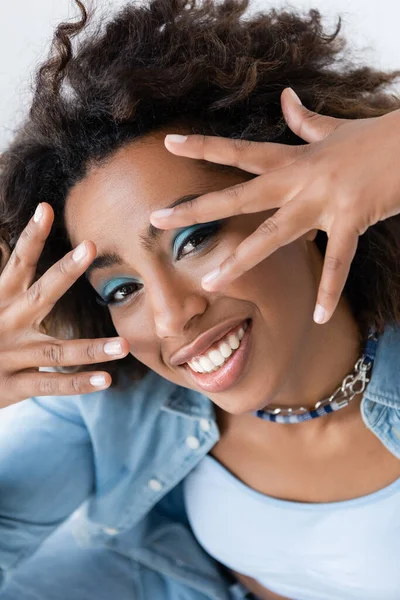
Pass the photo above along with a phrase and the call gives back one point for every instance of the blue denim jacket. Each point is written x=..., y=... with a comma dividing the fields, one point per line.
x=116, y=461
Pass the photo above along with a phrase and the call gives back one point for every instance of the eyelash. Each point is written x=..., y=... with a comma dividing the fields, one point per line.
x=205, y=233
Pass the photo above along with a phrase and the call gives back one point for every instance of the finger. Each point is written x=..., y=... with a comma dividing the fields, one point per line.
x=20, y=269
x=309, y=125
x=254, y=157
x=28, y=384
x=60, y=353
x=261, y=193
x=340, y=251
x=40, y=298
x=285, y=226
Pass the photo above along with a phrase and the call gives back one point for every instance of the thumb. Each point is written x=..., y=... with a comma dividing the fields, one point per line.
x=309, y=125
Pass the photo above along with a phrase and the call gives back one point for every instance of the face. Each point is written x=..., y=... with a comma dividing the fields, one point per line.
x=260, y=327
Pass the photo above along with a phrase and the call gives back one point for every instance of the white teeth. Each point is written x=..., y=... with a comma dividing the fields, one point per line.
x=195, y=366
x=216, y=357
x=233, y=341
x=225, y=349
x=206, y=364
x=213, y=360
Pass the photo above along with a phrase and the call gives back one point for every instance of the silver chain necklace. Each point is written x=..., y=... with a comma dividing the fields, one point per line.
x=353, y=384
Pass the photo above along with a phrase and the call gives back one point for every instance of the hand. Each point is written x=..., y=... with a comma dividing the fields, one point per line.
x=342, y=182
x=23, y=305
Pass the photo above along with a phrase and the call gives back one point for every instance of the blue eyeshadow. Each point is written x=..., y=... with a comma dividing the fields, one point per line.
x=113, y=284
x=185, y=233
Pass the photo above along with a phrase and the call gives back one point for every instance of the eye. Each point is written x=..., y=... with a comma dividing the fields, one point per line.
x=119, y=294
x=194, y=238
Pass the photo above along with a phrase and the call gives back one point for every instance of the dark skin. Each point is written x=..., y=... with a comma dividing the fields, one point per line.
x=292, y=361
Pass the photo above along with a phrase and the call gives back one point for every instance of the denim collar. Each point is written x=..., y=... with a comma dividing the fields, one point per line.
x=384, y=387
x=189, y=403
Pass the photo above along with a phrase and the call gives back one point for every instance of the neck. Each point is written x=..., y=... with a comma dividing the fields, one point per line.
x=328, y=354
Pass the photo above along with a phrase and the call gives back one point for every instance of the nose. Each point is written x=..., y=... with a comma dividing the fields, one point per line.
x=175, y=302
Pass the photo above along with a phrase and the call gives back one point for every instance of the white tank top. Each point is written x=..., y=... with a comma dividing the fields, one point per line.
x=346, y=550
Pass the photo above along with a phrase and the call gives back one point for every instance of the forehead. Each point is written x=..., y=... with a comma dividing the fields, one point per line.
x=136, y=180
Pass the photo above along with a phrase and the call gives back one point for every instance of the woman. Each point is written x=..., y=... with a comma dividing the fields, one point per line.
x=195, y=475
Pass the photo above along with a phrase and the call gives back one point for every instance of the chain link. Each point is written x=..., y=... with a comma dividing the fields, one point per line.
x=342, y=395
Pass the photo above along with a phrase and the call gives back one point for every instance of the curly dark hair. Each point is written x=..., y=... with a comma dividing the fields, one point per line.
x=213, y=68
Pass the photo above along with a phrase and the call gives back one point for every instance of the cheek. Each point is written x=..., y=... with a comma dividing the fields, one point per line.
x=144, y=345
x=283, y=287
x=139, y=332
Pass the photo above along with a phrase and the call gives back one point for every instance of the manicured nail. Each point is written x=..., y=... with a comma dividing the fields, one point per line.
x=98, y=380
x=163, y=213
x=80, y=252
x=211, y=276
x=319, y=314
x=112, y=348
x=38, y=213
x=295, y=96
x=175, y=138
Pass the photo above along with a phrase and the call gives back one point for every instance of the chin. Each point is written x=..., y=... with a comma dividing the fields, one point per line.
x=238, y=406
x=238, y=410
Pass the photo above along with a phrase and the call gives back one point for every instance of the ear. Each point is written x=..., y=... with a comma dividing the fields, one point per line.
x=5, y=253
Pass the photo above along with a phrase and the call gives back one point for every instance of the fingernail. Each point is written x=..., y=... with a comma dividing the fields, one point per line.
x=38, y=213
x=80, y=252
x=112, y=348
x=319, y=314
x=211, y=276
x=163, y=213
x=175, y=138
x=295, y=96
x=98, y=380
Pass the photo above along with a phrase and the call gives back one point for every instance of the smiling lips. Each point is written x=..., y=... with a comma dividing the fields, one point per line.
x=203, y=342
x=222, y=378
x=218, y=353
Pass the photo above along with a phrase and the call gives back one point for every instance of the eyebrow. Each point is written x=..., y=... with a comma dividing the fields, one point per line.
x=109, y=259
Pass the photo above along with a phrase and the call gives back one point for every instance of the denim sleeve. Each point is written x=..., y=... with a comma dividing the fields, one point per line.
x=46, y=472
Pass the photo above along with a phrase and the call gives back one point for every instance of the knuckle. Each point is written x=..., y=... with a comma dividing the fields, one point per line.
x=53, y=353
x=190, y=205
x=235, y=191
x=34, y=293
x=27, y=234
x=4, y=382
x=205, y=143
x=234, y=195
x=333, y=263
x=91, y=352
x=313, y=116
x=47, y=386
x=318, y=120
x=232, y=261
x=15, y=259
x=268, y=227
x=75, y=383
x=64, y=267
x=241, y=146
x=234, y=265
